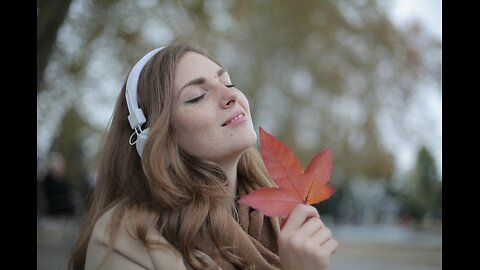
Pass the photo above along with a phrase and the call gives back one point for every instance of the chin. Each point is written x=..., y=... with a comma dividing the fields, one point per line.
x=248, y=140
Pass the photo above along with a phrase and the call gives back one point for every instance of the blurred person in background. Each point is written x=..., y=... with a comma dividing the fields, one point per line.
x=171, y=170
x=55, y=188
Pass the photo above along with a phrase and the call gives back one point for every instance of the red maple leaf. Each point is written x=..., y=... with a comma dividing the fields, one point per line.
x=294, y=185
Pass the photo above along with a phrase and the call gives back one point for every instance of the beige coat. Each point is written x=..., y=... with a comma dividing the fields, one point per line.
x=128, y=253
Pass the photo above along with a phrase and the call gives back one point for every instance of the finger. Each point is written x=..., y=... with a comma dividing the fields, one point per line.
x=310, y=227
x=321, y=236
x=330, y=246
x=298, y=216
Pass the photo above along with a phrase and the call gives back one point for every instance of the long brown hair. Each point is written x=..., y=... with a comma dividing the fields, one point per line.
x=186, y=197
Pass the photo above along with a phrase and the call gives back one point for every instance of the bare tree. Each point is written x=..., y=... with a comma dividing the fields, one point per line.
x=50, y=16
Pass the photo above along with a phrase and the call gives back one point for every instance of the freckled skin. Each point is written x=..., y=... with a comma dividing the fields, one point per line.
x=198, y=125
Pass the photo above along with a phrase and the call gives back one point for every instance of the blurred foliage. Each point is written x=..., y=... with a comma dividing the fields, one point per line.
x=422, y=193
x=70, y=143
x=317, y=73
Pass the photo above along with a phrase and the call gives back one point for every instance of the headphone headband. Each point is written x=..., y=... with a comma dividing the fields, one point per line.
x=136, y=117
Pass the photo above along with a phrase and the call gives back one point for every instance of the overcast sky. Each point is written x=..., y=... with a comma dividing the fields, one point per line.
x=428, y=12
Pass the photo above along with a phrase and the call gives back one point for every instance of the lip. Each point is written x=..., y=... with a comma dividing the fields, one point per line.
x=232, y=116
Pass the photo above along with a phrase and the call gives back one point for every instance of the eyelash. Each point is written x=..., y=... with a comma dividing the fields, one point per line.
x=193, y=100
x=197, y=99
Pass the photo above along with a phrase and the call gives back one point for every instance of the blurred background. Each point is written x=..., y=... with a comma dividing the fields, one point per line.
x=363, y=77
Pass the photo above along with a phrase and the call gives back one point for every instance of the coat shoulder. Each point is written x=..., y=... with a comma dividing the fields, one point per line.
x=127, y=251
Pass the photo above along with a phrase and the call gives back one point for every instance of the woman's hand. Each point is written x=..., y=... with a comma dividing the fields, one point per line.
x=305, y=242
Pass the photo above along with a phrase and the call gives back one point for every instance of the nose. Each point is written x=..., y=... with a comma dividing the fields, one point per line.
x=228, y=98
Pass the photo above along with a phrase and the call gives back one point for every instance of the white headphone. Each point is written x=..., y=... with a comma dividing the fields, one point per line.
x=136, y=117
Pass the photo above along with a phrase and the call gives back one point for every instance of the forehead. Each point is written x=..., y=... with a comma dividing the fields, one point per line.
x=193, y=66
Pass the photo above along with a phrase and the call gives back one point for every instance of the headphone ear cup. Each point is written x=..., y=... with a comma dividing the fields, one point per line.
x=141, y=139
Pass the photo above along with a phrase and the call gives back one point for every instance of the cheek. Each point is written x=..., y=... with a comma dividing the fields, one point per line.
x=190, y=123
x=191, y=127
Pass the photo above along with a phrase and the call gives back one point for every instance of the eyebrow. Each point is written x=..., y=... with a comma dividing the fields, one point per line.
x=201, y=80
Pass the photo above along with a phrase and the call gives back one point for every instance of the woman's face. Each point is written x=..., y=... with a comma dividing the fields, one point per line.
x=211, y=117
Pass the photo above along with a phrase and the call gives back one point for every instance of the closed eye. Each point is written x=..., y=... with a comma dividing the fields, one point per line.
x=193, y=100
x=230, y=85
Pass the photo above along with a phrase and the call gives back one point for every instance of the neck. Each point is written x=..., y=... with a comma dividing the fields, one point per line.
x=230, y=168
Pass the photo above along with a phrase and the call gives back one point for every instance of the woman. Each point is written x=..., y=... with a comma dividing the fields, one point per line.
x=169, y=202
